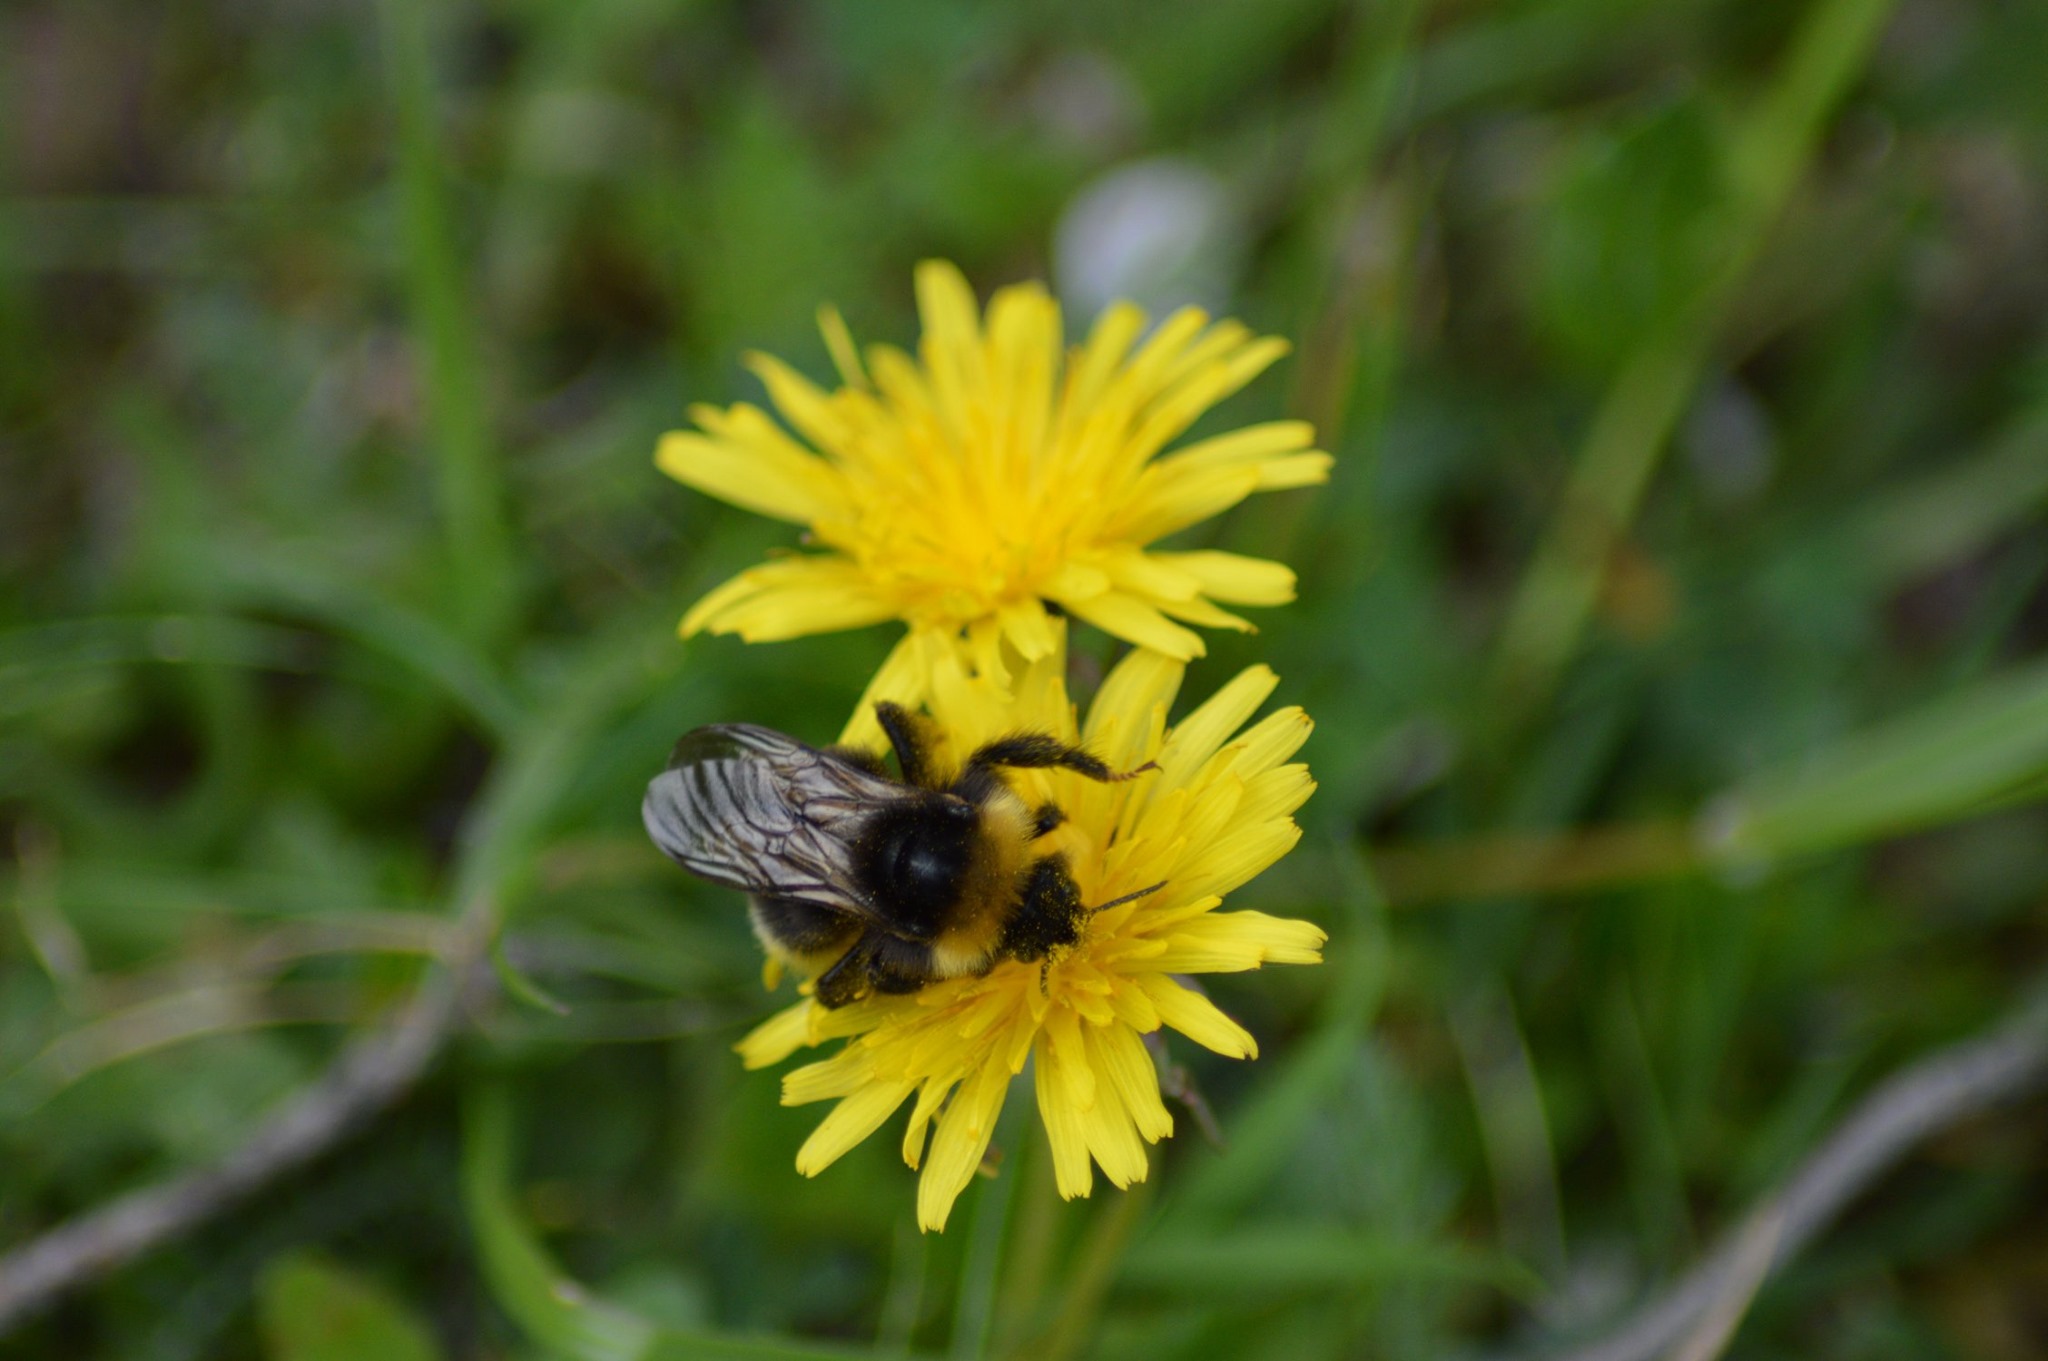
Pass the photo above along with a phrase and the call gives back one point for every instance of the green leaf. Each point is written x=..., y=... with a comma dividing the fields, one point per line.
x=1762, y=158
x=266, y=578
x=519, y=987
x=558, y=1313
x=1960, y=508
x=38, y=663
x=1959, y=755
x=1634, y=226
x=312, y=1309
x=550, y=1308
x=480, y=564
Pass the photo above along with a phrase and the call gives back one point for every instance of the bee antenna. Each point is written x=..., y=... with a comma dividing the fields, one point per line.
x=1129, y=897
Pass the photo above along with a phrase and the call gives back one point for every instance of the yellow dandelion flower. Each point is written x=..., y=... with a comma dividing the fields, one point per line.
x=1216, y=812
x=962, y=490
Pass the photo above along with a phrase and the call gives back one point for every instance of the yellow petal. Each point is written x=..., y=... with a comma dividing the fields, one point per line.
x=839, y=343
x=1234, y=578
x=950, y=345
x=1236, y=859
x=901, y=679
x=1149, y=835
x=1077, y=579
x=968, y=707
x=829, y=1023
x=1141, y=687
x=1196, y=1017
x=802, y=403
x=1228, y=942
x=959, y=1142
x=1270, y=741
x=1133, y=1006
x=1029, y=629
x=767, y=478
x=1275, y=793
x=844, y=1073
x=791, y=597
x=1121, y=1058
x=903, y=386
x=1197, y=737
x=852, y=1120
x=1253, y=444
x=945, y=304
x=1114, y=1142
x=929, y=1098
x=717, y=600
x=1298, y=470
x=1172, y=503
x=1072, y=1170
x=1198, y=391
x=1095, y=363
x=1148, y=575
x=1163, y=357
x=984, y=650
x=1023, y=357
x=1199, y=611
x=1165, y=919
x=1136, y=622
x=1077, y=1078
x=776, y=1038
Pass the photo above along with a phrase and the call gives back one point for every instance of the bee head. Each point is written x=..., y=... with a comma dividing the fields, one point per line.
x=915, y=858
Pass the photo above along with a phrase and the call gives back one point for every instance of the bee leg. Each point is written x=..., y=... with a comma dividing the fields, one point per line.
x=850, y=977
x=1038, y=751
x=898, y=966
x=1048, y=816
x=870, y=761
x=911, y=738
x=1049, y=912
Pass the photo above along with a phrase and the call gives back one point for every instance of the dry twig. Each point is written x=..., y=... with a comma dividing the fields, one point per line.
x=371, y=1073
x=1940, y=1091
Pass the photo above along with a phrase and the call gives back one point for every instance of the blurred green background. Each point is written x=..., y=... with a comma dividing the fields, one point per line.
x=1672, y=623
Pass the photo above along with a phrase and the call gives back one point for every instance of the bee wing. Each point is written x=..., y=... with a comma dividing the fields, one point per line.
x=755, y=810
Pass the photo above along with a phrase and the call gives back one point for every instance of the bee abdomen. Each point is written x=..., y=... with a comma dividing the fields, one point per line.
x=805, y=933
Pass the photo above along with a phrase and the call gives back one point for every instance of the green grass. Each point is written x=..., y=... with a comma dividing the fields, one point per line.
x=1673, y=625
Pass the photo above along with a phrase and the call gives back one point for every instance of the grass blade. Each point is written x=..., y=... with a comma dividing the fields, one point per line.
x=1642, y=405
x=1949, y=760
x=480, y=571
x=551, y=1309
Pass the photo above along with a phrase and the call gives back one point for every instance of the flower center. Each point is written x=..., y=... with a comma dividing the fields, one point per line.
x=955, y=564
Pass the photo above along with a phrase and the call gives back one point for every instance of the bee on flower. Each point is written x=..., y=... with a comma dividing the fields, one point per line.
x=1158, y=853
x=993, y=480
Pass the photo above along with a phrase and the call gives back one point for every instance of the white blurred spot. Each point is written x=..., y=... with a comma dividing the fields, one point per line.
x=1161, y=233
x=1729, y=443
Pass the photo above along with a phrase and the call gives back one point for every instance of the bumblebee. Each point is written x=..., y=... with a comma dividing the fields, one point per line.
x=867, y=882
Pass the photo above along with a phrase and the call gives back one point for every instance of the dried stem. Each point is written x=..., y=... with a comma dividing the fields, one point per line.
x=373, y=1071
x=1932, y=1095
